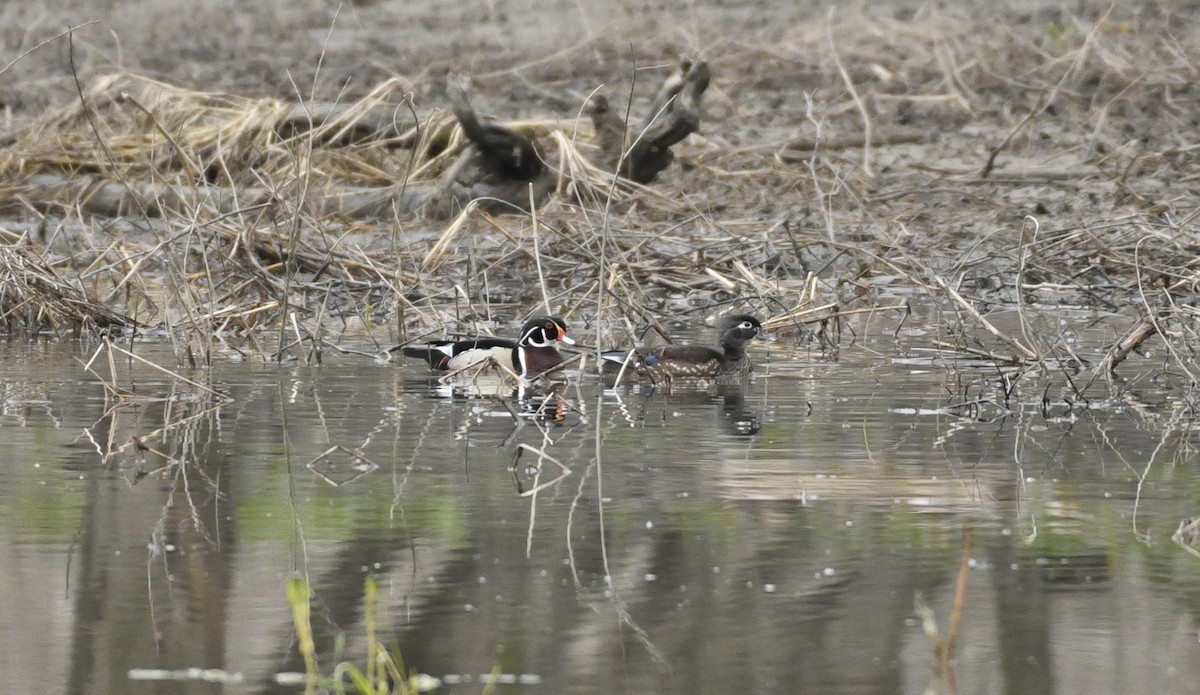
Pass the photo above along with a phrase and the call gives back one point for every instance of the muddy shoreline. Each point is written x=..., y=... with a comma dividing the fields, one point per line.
x=989, y=158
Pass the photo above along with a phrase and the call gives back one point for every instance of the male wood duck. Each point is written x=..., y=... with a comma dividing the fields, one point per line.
x=669, y=361
x=532, y=353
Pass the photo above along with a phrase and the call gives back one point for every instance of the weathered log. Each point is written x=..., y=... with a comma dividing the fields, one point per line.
x=107, y=198
x=667, y=92
x=500, y=167
x=676, y=115
x=503, y=152
x=609, y=131
x=466, y=180
x=380, y=122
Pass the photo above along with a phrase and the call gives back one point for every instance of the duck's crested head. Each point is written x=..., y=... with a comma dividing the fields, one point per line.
x=543, y=331
x=739, y=328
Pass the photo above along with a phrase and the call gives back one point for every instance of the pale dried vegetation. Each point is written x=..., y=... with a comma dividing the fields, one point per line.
x=986, y=159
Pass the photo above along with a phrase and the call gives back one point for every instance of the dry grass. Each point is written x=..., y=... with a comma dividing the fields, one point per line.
x=847, y=165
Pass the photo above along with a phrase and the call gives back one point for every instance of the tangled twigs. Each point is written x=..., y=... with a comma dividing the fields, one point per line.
x=1022, y=353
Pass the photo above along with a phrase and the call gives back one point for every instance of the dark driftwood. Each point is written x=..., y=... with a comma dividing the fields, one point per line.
x=674, y=115
x=500, y=167
x=470, y=179
x=503, y=152
x=609, y=127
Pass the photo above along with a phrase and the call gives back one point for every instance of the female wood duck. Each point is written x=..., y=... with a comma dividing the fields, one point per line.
x=669, y=361
x=531, y=354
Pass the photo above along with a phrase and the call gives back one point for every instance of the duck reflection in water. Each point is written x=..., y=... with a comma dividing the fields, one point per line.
x=734, y=417
x=543, y=400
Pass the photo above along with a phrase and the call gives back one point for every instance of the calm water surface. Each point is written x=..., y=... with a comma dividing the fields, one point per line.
x=774, y=538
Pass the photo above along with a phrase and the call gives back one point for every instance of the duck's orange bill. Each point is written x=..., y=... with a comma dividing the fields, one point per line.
x=562, y=335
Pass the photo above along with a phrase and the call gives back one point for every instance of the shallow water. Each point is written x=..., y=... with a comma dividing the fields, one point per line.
x=768, y=538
